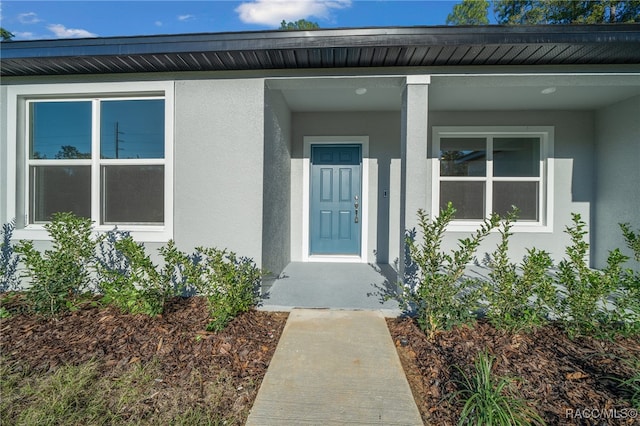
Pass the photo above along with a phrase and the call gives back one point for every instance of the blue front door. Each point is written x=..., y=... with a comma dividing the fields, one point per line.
x=335, y=210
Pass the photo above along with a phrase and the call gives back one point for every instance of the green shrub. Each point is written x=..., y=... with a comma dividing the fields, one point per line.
x=231, y=284
x=628, y=295
x=632, y=239
x=519, y=298
x=490, y=400
x=131, y=281
x=8, y=259
x=61, y=275
x=438, y=295
x=585, y=308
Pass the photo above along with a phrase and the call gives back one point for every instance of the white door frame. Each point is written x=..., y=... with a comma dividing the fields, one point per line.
x=363, y=141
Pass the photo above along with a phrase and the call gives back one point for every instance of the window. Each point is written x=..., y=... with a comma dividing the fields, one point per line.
x=483, y=170
x=128, y=153
x=105, y=157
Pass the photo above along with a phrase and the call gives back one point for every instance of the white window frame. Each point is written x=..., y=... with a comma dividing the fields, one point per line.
x=18, y=126
x=546, y=185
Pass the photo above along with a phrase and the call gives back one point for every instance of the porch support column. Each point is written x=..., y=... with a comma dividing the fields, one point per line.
x=414, y=176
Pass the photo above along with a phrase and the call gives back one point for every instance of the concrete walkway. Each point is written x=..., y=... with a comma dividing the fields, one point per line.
x=335, y=367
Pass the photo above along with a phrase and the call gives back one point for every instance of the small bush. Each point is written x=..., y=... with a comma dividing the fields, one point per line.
x=519, y=298
x=131, y=281
x=231, y=284
x=439, y=296
x=632, y=239
x=490, y=400
x=628, y=295
x=585, y=308
x=61, y=275
x=8, y=259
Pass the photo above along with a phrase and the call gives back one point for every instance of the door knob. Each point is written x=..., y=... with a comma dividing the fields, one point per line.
x=356, y=206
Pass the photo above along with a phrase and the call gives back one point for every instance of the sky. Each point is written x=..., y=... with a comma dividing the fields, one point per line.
x=54, y=19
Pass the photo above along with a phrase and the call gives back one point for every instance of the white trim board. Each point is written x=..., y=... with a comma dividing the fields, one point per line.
x=363, y=141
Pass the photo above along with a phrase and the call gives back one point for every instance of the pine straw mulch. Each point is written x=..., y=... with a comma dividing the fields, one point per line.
x=176, y=340
x=554, y=373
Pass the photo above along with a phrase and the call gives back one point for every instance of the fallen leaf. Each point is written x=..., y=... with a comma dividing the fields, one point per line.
x=576, y=376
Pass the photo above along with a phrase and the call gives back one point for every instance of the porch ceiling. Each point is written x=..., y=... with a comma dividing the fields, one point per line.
x=462, y=92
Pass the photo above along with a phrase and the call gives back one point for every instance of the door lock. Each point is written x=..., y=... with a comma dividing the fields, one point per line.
x=356, y=205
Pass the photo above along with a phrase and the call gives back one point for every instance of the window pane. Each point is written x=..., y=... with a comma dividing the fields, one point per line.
x=516, y=157
x=467, y=198
x=133, y=194
x=132, y=129
x=463, y=157
x=60, y=130
x=59, y=189
x=523, y=195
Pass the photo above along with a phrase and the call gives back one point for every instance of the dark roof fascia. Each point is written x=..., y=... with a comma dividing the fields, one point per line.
x=328, y=49
x=363, y=37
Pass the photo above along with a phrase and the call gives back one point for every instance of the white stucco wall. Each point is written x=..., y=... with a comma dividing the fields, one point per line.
x=276, y=231
x=617, y=171
x=219, y=138
x=383, y=129
x=574, y=178
x=3, y=156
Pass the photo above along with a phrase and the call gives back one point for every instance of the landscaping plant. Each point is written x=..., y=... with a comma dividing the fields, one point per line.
x=628, y=297
x=586, y=306
x=490, y=400
x=132, y=282
x=8, y=259
x=60, y=275
x=231, y=284
x=439, y=296
x=518, y=297
x=632, y=239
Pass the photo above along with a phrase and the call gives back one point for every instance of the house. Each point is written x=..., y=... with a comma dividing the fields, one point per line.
x=312, y=146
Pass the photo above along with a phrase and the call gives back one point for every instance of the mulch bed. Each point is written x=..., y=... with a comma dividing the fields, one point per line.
x=555, y=374
x=176, y=340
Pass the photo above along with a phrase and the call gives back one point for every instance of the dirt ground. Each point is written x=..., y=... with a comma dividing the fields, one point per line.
x=559, y=377
x=566, y=381
x=176, y=340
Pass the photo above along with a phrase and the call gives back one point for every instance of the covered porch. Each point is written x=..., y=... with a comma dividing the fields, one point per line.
x=353, y=286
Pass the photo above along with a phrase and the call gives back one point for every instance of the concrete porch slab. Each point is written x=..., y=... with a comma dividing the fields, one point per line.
x=334, y=367
x=354, y=286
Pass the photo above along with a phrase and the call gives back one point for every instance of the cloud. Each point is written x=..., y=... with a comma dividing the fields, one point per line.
x=24, y=35
x=28, y=18
x=61, y=31
x=186, y=17
x=158, y=23
x=272, y=12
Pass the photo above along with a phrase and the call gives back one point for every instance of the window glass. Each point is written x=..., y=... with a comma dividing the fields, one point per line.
x=467, y=198
x=59, y=189
x=516, y=157
x=463, y=157
x=60, y=130
x=523, y=195
x=133, y=194
x=132, y=129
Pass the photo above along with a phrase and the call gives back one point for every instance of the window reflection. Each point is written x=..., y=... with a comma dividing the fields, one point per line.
x=463, y=157
x=60, y=130
x=132, y=129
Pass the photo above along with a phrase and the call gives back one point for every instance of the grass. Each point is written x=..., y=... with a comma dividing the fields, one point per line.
x=81, y=395
x=632, y=384
x=490, y=400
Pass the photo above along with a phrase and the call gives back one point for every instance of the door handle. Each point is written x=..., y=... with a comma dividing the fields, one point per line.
x=356, y=205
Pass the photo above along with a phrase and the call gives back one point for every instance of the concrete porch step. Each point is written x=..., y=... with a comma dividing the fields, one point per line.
x=335, y=367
